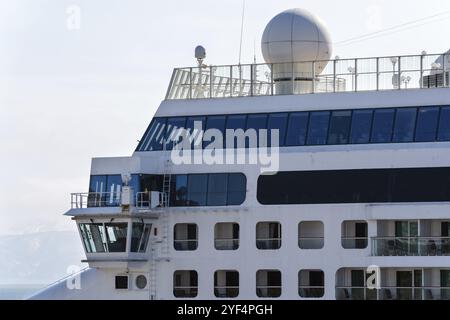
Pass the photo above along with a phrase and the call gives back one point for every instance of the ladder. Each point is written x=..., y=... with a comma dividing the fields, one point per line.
x=165, y=203
x=152, y=272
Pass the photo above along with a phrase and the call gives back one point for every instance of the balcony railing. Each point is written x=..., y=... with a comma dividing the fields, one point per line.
x=310, y=242
x=411, y=246
x=341, y=75
x=226, y=244
x=95, y=199
x=268, y=291
x=185, y=244
x=311, y=291
x=354, y=242
x=268, y=243
x=226, y=291
x=393, y=293
x=185, y=292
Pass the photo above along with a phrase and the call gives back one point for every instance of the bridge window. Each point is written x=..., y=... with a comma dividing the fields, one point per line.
x=218, y=123
x=139, y=237
x=197, y=189
x=339, y=127
x=235, y=122
x=104, y=237
x=174, y=131
x=383, y=120
x=318, y=128
x=256, y=122
x=297, y=129
x=361, y=126
x=444, y=125
x=277, y=121
x=405, y=122
x=427, y=122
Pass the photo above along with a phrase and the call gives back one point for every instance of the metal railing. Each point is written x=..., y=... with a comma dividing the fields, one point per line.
x=226, y=244
x=411, y=246
x=143, y=200
x=95, y=199
x=268, y=291
x=226, y=291
x=310, y=242
x=185, y=244
x=268, y=243
x=354, y=242
x=311, y=291
x=393, y=293
x=185, y=292
x=342, y=75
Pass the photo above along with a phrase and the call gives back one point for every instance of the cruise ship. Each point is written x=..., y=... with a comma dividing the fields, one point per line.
x=305, y=177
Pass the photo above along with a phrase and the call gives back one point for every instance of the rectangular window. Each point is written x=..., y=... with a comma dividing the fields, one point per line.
x=297, y=128
x=196, y=132
x=427, y=122
x=116, y=235
x=179, y=190
x=155, y=136
x=121, y=282
x=217, y=189
x=444, y=124
x=256, y=122
x=139, y=237
x=94, y=237
x=218, y=123
x=237, y=188
x=383, y=121
x=235, y=122
x=175, y=127
x=361, y=126
x=405, y=121
x=277, y=121
x=197, y=188
x=318, y=128
x=339, y=127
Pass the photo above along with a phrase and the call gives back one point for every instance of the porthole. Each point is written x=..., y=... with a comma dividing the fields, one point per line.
x=141, y=281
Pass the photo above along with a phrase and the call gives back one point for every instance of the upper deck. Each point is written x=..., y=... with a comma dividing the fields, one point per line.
x=339, y=75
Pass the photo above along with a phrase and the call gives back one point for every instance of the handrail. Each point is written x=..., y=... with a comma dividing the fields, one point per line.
x=84, y=200
x=339, y=75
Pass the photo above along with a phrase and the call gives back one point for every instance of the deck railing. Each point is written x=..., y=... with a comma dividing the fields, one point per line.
x=339, y=75
x=411, y=246
x=393, y=293
x=95, y=199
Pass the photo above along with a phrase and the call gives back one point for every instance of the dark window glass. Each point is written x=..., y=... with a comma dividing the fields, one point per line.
x=361, y=126
x=383, y=121
x=121, y=282
x=427, y=121
x=318, y=128
x=116, y=235
x=174, y=131
x=444, y=125
x=277, y=121
x=113, y=190
x=256, y=122
x=339, y=127
x=146, y=136
x=298, y=124
x=405, y=121
x=180, y=186
x=155, y=136
x=215, y=122
x=217, y=189
x=235, y=122
x=195, y=133
x=97, y=184
x=197, y=188
x=355, y=186
x=237, y=188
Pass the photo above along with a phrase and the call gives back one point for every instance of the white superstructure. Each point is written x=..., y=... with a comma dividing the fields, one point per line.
x=362, y=189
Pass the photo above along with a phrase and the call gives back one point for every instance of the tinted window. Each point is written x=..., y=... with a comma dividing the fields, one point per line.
x=361, y=126
x=113, y=189
x=277, y=121
x=97, y=184
x=355, y=186
x=217, y=189
x=339, y=127
x=383, y=120
x=173, y=131
x=318, y=128
x=256, y=122
x=180, y=186
x=427, y=121
x=235, y=122
x=298, y=124
x=155, y=136
x=405, y=122
x=237, y=188
x=195, y=133
x=215, y=122
x=197, y=187
x=444, y=125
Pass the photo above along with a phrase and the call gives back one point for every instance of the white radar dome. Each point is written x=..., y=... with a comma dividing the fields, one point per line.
x=296, y=35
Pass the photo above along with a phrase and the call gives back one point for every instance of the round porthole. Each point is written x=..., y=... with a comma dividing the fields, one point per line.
x=141, y=281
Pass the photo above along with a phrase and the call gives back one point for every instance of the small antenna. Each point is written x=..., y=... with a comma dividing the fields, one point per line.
x=242, y=30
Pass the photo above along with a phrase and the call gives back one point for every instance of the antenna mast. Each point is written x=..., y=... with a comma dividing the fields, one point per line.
x=242, y=30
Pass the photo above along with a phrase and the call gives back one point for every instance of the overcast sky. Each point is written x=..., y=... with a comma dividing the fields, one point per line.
x=67, y=95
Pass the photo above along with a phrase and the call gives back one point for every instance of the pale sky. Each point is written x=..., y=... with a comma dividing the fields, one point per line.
x=69, y=95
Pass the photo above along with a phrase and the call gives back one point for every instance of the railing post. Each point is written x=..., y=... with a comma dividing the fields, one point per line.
x=356, y=75
x=252, y=79
x=190, y=83
x=271, y=79
x=421, y=71
x=211, y=82
x=378, y=73
x=334, y=75
x=400, y=73
x=444, y=78
x=313, y=77
x=231, y=81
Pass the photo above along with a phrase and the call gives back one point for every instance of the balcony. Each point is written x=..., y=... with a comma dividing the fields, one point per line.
x=340, y=75
x=141, y=200
x=411, y=246
x=393, y=293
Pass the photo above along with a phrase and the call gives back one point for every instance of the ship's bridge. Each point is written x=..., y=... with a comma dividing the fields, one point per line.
x=338, y=75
